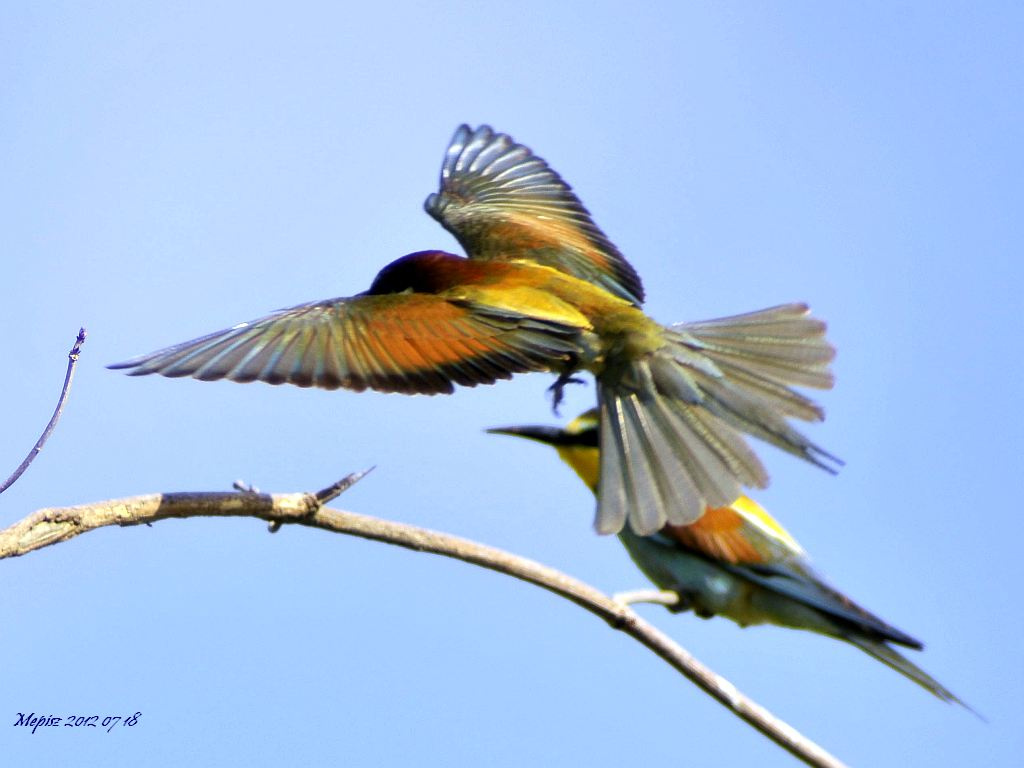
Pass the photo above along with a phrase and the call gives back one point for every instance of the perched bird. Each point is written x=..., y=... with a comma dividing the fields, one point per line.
x=543, y=289
x=737, y=561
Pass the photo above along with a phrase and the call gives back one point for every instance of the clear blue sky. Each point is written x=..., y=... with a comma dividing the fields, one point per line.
x=168, y=171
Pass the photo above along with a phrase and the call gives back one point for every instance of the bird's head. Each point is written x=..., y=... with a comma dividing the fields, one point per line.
x=420, y=272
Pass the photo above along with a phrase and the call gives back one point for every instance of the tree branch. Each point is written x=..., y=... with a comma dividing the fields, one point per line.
x=52, y=525
x=72, y=362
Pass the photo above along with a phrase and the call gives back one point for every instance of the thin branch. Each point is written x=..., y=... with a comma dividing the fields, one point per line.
x=52, y=525
x=72, y=363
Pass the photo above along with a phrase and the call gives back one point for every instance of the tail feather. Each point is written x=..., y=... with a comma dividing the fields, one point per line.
x=733, y=450
x=896, y=660
x=640, y=471
x=638, y=484
x=783, y=345
x=671, y=421
x=664, y=462
x=761, y=418
x=757, y=357
x=787, y=402
x=784, y=324
x=702, y=433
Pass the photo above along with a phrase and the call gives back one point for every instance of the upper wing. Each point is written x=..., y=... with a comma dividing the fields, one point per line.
x=503, y=202
x=404, y=342
x=742, y=533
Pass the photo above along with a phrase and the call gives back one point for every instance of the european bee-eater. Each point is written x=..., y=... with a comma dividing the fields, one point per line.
x=543, y=289
x=737, y=561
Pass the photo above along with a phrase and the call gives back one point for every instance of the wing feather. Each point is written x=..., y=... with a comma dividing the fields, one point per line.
x=403, y=342
x=742, y=533
x=502, y=202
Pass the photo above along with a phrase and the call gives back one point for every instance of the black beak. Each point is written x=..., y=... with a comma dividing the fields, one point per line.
x=546, y=435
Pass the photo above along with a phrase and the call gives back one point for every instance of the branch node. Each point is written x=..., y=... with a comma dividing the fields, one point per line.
x=77, y=348
x=244, y=487
x=621, y=621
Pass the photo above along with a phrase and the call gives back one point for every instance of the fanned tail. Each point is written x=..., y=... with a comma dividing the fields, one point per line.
x=671, y=421
x=760, y=355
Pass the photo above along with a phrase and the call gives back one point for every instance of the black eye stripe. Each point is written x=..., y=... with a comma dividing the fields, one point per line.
x=588, y=438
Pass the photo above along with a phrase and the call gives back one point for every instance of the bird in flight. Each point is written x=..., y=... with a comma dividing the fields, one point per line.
x=543, y=289
x=737, y=561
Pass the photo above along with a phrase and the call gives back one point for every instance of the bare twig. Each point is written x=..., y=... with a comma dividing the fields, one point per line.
x=56, y=524
x=72, y=362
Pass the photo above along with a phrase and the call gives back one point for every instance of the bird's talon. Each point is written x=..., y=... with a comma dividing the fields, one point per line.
x=671, y=600
x=557, y=389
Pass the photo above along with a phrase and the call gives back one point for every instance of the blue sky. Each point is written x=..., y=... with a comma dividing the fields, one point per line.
x=169, y=171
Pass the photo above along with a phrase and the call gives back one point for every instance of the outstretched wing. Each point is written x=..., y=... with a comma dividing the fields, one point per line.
x=405, y=342
x=503, y=202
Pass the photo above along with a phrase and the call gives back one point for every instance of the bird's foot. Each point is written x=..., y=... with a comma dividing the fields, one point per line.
x=668, y=598
x=557, y=389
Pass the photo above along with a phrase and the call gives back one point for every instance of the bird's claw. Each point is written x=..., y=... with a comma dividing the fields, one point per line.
x=557, y=389
x=668, y=598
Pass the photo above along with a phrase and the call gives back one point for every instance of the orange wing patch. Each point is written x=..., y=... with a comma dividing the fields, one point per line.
x=719, y=534
x=400, y=342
